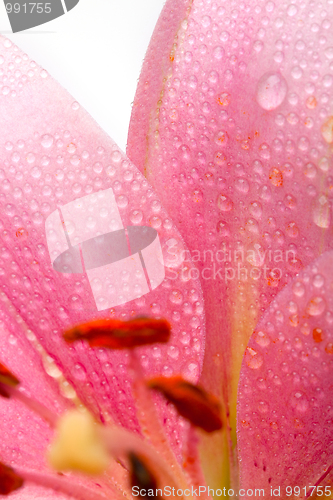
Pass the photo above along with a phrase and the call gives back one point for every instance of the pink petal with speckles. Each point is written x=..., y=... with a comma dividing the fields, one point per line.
x=238, y=145
x=67, y=193
x=24, y=436
x=285, y=392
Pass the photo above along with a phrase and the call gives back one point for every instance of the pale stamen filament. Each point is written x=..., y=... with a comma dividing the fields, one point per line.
x=63, y=484
x=120, y=443
x=148, y=418
x=192, y=461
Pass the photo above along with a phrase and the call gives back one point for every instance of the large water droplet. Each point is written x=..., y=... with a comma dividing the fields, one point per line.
x=316, y=306
x=47, y=141
x=327, y=130
x=224, y=203
x=321, y=212
x=253, y=359
x=271, y=90
x=79, y=372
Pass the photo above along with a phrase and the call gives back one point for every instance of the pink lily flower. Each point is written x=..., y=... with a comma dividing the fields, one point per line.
x=232, y=130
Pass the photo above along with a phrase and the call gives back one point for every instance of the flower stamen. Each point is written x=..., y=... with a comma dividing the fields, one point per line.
x=62, y=484
x=78, y=445
x=141, y=476
x=9, y=389
x=9, y=480
x=191, y=401
x=117, y=334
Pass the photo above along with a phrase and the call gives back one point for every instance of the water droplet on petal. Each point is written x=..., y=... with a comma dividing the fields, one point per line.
x=47, y=141
x=318, y=281
x=223, y=228
x=262, y=339
x=255, y=209
x=224, y=203
x=292, y=10
x=75, y=302
x=242, y=185
x=300, y=402
x=316, y=306
x=327, y=130
x=271, y=90
x=329, y=52
x=224, y=99
x=79, y=372
x=253, y=359
x=276, y=177
x=321, y=212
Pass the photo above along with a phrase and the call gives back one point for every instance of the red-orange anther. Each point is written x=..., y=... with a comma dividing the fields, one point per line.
x=9, y=480
x=6, y=378
x=117, y=334
x=192, y=402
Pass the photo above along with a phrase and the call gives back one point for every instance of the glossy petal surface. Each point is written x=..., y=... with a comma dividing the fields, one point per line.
x=239, y=148
x=67, y=193
x=24, y=436
x=285, y=391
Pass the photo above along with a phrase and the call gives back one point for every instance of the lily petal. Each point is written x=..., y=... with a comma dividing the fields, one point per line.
x=238, y=145
x=57, y=166
x=24, y=436
x=285, y=390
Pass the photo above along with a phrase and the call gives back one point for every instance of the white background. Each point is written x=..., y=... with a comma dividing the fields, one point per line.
x=96, y=52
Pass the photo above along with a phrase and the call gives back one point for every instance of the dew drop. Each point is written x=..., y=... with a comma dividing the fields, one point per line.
x=265, y=151
x=296, y=72
x=221, y=138
x=262, y=339
x=75, y=302
x=253, y=359
x=242, y=185
x=318, y=281
x=136, y=216
x=223, y=228
x=197, y=196
x=271, y=90
x=329, y=52
x=276, y=177
x=176, y=297
x=327, y=130
x=224, y=99
x=255, y=209
x=300, y=402
x=36, y=172
x=316, y=306
x=298, y=289
x=47, y=141
x=292, y=10
x=224, y=203
x=292, y=230
x=79, y=372
x=218, y=52
x=321, y=213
